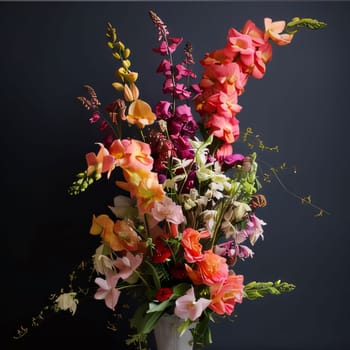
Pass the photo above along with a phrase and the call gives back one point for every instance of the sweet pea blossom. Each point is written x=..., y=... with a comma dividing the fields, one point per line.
x=186, y=307
x=108, y=290
x=127, y=264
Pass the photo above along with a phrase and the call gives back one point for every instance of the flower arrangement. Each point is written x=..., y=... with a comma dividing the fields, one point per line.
x=190, y=202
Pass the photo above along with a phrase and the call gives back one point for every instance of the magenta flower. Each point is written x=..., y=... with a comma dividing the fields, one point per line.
x=164, y=67
x=186, y=307
x=162, y=110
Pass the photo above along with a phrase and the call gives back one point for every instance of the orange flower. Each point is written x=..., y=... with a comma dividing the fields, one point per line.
x=191, y=245
x=140, y=113
x=119, y=235
x=212, y=269
x=144, y=186
x=224, y=295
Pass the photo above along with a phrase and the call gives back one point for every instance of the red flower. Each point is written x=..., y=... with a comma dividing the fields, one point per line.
x=164, y=294
x=161, y=251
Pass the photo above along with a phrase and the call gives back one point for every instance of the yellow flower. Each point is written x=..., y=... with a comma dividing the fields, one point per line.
x=140, y=113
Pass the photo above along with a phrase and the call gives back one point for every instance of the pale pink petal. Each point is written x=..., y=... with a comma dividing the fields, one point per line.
x=101, y=283
x=111, y=298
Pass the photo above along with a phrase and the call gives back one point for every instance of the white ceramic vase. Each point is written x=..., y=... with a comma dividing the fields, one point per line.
x=167, y=336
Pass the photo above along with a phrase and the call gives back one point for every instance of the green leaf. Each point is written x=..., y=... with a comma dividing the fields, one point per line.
x=156, y=307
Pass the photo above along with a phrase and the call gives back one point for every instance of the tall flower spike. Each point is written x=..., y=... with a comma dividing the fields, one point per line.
x=162, y=28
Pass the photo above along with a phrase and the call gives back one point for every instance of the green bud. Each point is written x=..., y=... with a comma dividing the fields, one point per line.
x=110, y=45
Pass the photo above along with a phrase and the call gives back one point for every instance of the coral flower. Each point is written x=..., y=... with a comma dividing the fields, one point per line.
x=99, y=163
x=273, y=30
x=224, y=295
x=132, y=154
x=191, y=245
x=212, y=269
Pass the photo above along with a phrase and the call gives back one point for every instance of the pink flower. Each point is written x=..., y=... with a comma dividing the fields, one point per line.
x=242, y=44
x=165, y=68
x=255, y=224
x=223, y=128
x=186, y=307
x=127, y=264
x=107, y=290
x=168, y=210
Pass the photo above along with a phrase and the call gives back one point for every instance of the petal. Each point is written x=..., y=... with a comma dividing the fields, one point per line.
x=111, y=298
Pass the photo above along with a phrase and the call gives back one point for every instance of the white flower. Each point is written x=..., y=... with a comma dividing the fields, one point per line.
x=240, y=210
x=209, y=218
x=102, y=263
x=124, y=207
x=67, y=301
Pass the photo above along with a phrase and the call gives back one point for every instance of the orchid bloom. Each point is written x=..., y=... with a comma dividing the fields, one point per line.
x=108, y=290
x=186, y=307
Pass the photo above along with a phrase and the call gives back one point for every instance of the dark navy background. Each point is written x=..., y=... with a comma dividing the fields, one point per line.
x=50, y=50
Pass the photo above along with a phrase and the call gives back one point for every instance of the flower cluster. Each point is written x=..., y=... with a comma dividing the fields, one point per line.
x=188, y=206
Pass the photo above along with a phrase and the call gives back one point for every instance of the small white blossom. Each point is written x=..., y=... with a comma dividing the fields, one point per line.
x=67, y=301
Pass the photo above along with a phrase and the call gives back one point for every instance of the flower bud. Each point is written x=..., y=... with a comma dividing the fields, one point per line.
x=128, y=93
x=118, y=86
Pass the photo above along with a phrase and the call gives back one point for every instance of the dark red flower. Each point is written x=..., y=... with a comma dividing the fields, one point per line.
x=164, y=294
x=179, y=271
x=161, y=251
